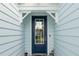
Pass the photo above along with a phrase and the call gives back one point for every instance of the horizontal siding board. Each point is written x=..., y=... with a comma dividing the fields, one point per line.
x=66, y=50
x=10, y=29
x=74, y=44
x=70, y=32
x=65, y=45
x=14, y=7
x=70, y=19
x=60, y=51
x=11, y=50
x=68, y=25
x=7, y=12
x=69, y=12
x=9, y=32
x=61, y=7
x=67, y=31
x=8, y=39
x=66, y=7
x=6, y=47
x=8, y=19
x=8, y=25
x=9, y=9
x=11, y=40
x=20, y=51
x=15, y=50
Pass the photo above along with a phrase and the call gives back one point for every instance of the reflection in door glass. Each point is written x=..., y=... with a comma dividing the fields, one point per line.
x=39, y=31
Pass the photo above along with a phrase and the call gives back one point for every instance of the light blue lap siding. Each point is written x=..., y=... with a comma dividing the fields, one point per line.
x=11, y=40
x=67, y=31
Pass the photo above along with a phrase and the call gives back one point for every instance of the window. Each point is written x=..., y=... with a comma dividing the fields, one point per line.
x=39, y=31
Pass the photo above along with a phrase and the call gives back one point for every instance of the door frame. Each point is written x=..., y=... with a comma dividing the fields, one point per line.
x=46, y=30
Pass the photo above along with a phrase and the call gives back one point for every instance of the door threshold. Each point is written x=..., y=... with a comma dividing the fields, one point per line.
x=39, y=54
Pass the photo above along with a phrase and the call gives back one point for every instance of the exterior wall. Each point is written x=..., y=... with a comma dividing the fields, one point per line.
x=28, y=34
x=11, y=41
x=51, y=27
x=67, y=30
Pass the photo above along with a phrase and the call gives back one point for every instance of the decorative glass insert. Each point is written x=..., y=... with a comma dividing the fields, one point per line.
x=39, y=31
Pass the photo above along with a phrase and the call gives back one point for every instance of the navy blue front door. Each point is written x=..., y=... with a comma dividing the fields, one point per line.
x=39, y=34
